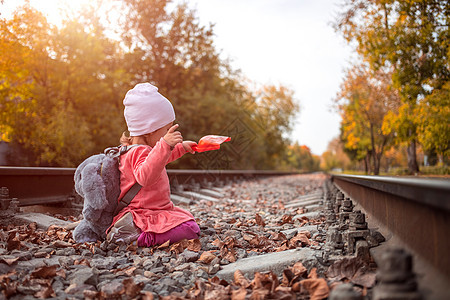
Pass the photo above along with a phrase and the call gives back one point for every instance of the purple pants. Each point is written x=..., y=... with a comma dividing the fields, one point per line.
x=187, y=230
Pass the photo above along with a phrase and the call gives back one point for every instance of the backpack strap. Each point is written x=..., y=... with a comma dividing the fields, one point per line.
x=132, y=192
x=128, y=197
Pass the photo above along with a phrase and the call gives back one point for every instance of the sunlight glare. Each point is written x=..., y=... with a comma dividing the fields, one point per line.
x=54, y=10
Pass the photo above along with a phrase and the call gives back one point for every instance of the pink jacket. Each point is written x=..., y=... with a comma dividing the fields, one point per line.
x=152, y=209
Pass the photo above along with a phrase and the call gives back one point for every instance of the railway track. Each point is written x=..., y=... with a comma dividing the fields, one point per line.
x=415, y=214
x=307, y=218
x=38, y=185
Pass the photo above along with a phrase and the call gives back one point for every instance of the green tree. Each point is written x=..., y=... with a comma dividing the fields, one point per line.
x=409, y=37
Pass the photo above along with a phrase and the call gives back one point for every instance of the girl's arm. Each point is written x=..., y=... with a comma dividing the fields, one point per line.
x=177, y=152
x=148, y=163
x=181, y=149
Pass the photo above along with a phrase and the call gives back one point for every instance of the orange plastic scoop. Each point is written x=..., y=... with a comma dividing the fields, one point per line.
x=210, y=142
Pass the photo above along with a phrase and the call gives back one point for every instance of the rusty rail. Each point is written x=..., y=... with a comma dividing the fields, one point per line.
x=415, y=210
x=36, y=185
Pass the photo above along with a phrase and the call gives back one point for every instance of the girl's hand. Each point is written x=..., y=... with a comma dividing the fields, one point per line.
x=188, y=146
x=173, y=137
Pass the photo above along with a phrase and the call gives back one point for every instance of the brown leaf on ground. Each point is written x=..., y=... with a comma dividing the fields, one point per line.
x=228, y=254
x=62, y=234
x=259, y=241
x=287, y=277
x=278, y=236
x=217, y=281
x=230, y=242
x=45, y=292
x=9, y=260
x=301, y=239
x=146, y=295
x=297, y=287
x=132, y=289
x=299, y=270
x=83, y=261
x=247, y=237
x=218, y=293
x=44, y=272
x=194, y=245
x=61, y=244
x=179, y=247
x=217, y=243
x=61, y=272
x=91, y=295
x=206, y=257
x=354, y=269
x=286, y=219
x=132, y=247
x=239, y=294
x=316, y=287
x=267, y=281
x=259, y=294
x=259, y=220
x=284, y=246
x=165, y=245
x=283, y=293
x=313, y=273
x=240, y=279
x=13, y=243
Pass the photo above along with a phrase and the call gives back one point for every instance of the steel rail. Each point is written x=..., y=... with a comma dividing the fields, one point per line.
x=415, y=210
x=39, y=185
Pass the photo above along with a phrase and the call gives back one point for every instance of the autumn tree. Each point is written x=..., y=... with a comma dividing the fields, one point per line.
x=335, y=157
x=364, y=100
x=62, y=87
x=68, y=90
x=412, y=39
x=434, y=122
x=301, y=158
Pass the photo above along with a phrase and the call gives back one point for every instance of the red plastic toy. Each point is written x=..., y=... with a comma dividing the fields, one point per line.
x=210, y=142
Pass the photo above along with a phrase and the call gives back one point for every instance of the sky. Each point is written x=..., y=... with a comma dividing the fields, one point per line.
x=287, y=42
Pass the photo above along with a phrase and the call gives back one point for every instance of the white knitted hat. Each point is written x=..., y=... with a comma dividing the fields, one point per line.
x=146, y=110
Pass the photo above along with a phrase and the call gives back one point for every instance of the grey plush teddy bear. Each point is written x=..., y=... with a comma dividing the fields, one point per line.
x=97, y=180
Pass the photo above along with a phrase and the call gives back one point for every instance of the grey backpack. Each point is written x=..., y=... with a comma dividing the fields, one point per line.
x=97, y=180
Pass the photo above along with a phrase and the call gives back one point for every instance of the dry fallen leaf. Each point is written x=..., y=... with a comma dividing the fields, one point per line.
x=298, y=269
x=240, y=279
x=132, y=289
x=259, y=220
x=61, y=244
x=317, y=288
x=194, y=245
x=301, y=239
x=354, y=269
x=45, y=292
x=146, y=295
x=228, y=254
x=239, y=294
x=286, y=219
x=283, y=293
x=206, y=257
x=165, y=245
x=9, y=260
x=44, y=272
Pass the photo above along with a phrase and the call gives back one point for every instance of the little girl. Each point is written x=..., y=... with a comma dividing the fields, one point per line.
x=150, y=218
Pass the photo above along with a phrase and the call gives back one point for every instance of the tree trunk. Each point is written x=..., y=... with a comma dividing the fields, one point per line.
x=366, y=165
x=376, y=162
x=412, y=158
